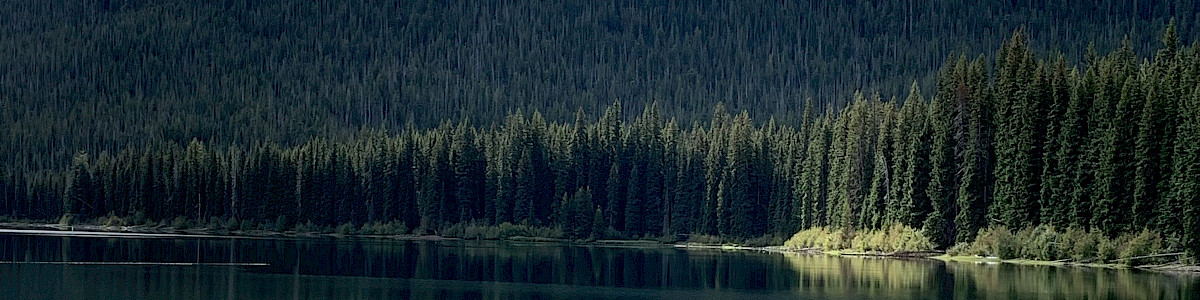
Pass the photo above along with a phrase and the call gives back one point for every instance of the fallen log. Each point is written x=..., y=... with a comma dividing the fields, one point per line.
x=1152, y=256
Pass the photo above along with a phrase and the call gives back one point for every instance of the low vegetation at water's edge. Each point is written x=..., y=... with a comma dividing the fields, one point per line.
x=896, y=238
x=1047, y=243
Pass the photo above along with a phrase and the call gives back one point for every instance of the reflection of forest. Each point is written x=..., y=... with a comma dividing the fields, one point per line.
x=463, y=268
x=1012, y=281
x=842, y=277
x=832, y=277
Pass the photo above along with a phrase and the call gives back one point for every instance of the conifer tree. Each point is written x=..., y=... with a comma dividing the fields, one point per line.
x=1185, y=176
x=1015, y=92
x=912, y=148
x=942, y=178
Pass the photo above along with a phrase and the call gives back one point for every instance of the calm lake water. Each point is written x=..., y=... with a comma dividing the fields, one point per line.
x=386, y=269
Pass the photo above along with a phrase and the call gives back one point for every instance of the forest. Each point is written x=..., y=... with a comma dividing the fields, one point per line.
x=105, y=75
x=1012, y=139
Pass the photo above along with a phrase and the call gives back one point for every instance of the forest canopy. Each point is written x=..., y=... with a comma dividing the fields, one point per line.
x=103, y=75
x=1111, y=145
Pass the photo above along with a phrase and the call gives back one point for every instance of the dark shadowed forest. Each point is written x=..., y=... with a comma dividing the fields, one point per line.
x=755, y=119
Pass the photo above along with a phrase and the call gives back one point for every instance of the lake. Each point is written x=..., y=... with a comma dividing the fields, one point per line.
x=307, y=268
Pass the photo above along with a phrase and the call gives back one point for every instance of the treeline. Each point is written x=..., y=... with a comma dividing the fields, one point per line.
x=103, y=75
x=1112, y=145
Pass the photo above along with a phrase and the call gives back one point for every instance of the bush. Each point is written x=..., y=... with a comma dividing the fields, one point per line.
x=705, y=239
x=345, y=229
x=1106, y=250
x=66, y=219
x=1141, y=244
x=283, y=223
x=138, y=218
x=763, y=241
x=1040, y=242
x=1086, y=245
x=111, y=220
x=503, y=231
x=997, y=241
x=181, y=222
x=307, y=227
x=230, y=224
x=895, y=238
x=816, y=237
x=962, y=249
x=246, y=225
x=380, y=228
x=904, y=238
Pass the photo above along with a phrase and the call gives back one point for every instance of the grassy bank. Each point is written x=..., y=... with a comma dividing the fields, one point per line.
x=284, y=227
x=1042, y=245
x=893, y=240
x=1073, y=246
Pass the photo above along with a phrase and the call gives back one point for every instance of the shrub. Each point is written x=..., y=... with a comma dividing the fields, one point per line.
x=904, y=238
x=345, y=229
x=307, y=227
x=503, y=231
x=1106, y=250
x=997, y=241
x=962, y=249
x=868, y=241
x=1141, y=244
x=66, y=219
x=895, y=238
x=380, y=228
x=138, y=218
x=246, y=225
x=181, y=222
x=283, y=223
x=1086, y=245
x=763, y=241
x=816, y=237
x=110, y=220
x=1040, y=242
x=230, y=224
x=705, y=239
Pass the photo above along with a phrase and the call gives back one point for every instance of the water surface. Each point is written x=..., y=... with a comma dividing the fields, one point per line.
x=390, y=269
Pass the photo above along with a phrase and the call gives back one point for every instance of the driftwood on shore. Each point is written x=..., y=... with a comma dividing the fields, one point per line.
x=1151, y=256
x=899, y=254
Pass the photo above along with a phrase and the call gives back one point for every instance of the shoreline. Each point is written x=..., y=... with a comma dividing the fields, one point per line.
x=142, y=231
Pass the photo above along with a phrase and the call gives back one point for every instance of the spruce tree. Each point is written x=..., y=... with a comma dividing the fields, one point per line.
x=942, y=178
x=812, y=190
x=1015, y=93
x=912, y=148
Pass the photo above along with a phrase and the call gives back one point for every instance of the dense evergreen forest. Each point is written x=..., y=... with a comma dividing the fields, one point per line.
x=103, y=75
x=1111, y=144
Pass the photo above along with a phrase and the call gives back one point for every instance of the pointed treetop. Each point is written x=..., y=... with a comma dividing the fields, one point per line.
x=1170, y=38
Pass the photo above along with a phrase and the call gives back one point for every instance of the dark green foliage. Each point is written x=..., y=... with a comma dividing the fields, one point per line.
x=285, y=71
x=577, y=213
x=1185, y=176
x=1109, y=147
x=1017, y=101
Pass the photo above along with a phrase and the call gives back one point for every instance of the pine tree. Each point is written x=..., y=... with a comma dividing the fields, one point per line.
x=1185, y=176
x=736, y=199
x=837, y=197
x=942, y=179
x=1015, y=93
x=469, y=168
x=912, y=148
x=881, y=195
x=974, y=151
x=80, y=196
x=1059, y=154
x=811, y=190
